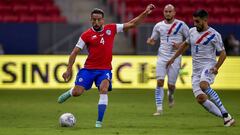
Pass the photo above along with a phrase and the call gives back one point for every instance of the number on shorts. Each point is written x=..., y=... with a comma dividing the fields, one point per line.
x=108, y=76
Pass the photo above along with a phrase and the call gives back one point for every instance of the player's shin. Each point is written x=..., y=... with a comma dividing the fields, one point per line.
x=215, y=99
x=171, y=90
x=212, y=108
x=159, y=95
x=102, y=105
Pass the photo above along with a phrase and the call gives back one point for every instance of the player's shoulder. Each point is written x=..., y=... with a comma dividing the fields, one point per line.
x=110, y=25
x=193, y=29
x=160, y=23
x=212, y=30
x=87, y=32
x=179, y=21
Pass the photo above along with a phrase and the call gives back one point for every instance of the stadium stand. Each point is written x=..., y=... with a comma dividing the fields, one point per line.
x=227, y=11
x=20, y=11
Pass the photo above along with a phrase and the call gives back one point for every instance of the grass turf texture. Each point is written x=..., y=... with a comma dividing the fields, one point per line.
x=129, y=112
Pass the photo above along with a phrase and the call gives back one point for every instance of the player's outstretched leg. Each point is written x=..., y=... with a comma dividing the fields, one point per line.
x=228, y=120
x=76, y=91
x=159, y=95
x=102, y=105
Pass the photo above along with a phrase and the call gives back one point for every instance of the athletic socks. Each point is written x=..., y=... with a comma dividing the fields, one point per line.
x=102, y=105
x=159, y=95
x=216, y=100
x=212, y=108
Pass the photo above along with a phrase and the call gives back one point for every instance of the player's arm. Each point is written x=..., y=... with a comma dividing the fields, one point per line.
x=220, y=61
x=155, y=35
x=134, y=22
x=222, y=56
x=181, y=50
x=176, y=45
x=71, y=61
x=151, y=41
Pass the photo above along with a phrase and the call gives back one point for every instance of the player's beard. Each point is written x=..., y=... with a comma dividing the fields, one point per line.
x=199, y=29
x=169, y=19
x=98, y=28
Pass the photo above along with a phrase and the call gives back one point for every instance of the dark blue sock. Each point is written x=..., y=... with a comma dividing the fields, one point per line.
x=101, y=111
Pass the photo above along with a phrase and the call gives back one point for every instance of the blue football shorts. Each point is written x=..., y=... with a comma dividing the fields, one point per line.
x=86, y=77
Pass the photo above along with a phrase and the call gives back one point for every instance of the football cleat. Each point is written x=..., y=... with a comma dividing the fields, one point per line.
x=228, y=121
x=64, y=97
x=158, y=113
x=98, y=124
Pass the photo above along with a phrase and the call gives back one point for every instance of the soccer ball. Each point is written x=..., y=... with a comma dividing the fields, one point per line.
x=67, y=120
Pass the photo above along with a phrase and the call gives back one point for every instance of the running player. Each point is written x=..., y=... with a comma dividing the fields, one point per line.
x=171, y=32
x=204, y=42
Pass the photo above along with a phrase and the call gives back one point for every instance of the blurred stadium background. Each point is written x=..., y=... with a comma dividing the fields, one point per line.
x=36, y=37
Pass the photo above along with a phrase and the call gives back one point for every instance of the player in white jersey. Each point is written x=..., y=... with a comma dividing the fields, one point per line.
x=205, y=41
x=171, y=32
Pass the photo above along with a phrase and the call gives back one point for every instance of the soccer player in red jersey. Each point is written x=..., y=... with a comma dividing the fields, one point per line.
x=99, y=42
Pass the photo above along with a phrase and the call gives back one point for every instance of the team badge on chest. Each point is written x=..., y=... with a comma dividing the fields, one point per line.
x=108, y=32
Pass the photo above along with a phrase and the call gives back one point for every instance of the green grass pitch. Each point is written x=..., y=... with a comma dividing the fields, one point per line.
x=36, y=112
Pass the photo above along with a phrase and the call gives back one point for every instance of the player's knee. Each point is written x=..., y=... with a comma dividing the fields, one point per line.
x=160, y=83
x=201, y=98
x=77, y=91
x=171, y=87
x=104, y=86
x=204, y=85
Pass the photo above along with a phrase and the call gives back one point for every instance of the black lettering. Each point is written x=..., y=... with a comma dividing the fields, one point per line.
x=23, y=73
x=56, y=73
x=78, y=66
x=143, y=77
x=6, y=69
x=119, y=70
x=36, y=69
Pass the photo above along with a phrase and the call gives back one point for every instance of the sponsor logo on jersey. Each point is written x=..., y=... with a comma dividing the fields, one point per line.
x=94, y=36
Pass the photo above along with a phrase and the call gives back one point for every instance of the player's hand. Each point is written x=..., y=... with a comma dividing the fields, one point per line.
x=169, y=63
x=150, y=41
x=175, y=46
x=66, y=75
x=149, y=8
x=214, y=70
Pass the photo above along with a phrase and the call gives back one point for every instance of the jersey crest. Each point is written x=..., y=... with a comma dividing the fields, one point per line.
x=108, y=32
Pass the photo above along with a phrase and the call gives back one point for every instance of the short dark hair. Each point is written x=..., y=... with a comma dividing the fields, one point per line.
x=97, y=11
x=201, y=13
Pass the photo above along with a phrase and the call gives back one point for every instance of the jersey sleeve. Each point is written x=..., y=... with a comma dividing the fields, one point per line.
x=155, y=33
x=119, y=28
x=218, y=43
x=185, y=31
x=82, y=41
x=80, y=44
x=188, y=38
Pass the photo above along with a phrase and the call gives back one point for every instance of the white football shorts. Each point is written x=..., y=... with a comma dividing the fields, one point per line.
x=172, y=72
x=199, y=76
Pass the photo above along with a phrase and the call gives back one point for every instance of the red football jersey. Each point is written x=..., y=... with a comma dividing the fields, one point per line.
x=99, y=46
